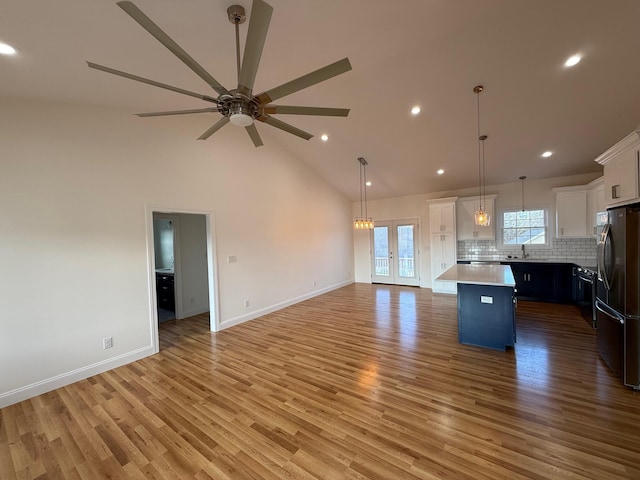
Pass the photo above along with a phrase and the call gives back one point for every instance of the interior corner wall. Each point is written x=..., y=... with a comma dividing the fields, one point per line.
x=75, y=183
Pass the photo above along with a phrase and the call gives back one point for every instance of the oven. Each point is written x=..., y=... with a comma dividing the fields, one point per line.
x=584, y=292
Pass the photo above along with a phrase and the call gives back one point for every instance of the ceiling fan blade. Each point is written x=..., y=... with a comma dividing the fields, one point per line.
x=292, y=110
x=285, y=126
x=146, y=23
x=216, y=126
x=256, y=36
x=151, y=82
x=255, y=136
x=177, y=112
x=305, y=81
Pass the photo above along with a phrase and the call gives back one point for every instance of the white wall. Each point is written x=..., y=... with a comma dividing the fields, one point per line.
x=75, y=185
x=537, y=193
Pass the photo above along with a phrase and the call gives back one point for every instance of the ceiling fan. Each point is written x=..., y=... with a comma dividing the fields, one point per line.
x=238, y=106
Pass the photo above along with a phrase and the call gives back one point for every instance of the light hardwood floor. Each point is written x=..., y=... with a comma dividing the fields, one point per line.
x=366, y=382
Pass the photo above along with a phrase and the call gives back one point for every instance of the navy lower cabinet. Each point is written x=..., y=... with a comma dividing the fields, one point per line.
x=486, y=316
x=542, y=282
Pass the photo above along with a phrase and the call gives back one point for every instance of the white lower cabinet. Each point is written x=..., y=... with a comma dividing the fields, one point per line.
x=443, y=256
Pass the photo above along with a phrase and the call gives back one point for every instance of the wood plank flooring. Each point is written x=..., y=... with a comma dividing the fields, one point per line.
x=366, y=382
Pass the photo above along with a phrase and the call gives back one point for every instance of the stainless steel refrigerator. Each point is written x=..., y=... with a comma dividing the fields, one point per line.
x=617, y=293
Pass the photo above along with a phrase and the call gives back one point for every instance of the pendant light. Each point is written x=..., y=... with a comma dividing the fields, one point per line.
x=481, y=216
x=363, y=222
x=522, y=181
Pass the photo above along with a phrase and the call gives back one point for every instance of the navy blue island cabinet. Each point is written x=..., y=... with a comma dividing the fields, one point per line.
x=486, y=304
x=486, y=316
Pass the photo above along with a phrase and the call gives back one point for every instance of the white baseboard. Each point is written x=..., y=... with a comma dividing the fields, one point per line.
x=193, y=311
x=277, y=306
x=48, y=384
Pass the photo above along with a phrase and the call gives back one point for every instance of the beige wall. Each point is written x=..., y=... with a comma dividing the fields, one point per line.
x=76, y=186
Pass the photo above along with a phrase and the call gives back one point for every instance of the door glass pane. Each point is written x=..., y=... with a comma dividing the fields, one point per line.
x=406, y=267
x=381, y=250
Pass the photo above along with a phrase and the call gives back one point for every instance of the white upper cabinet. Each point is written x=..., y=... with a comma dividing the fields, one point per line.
x=442, y=216
x=571, y=212
x=465, y=214
x=621, y=179
x=621, y=170
x=595, y=204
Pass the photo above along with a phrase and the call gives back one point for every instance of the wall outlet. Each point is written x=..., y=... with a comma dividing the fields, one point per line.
x=193, y=300
x=107, y=343
x=232, y=259
x=246, y=303
x=314, y=283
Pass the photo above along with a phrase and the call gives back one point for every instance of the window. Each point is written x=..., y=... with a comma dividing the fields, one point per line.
x=521, y=227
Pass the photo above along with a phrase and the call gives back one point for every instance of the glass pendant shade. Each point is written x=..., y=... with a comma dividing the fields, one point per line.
x=482, y=218
x=363, y=222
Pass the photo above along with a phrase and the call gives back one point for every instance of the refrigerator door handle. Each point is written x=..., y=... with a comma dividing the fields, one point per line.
x=601, y=249
x=609, y=312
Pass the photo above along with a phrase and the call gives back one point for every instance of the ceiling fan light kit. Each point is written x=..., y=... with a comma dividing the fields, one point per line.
x=238, y=106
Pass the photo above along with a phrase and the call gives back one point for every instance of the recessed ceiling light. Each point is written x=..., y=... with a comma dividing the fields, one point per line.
x=368, y=184
x=547, y=154
x=440, y=172
x=573, y=60
x=416, y=110
x=324, y=137
x=7, y=49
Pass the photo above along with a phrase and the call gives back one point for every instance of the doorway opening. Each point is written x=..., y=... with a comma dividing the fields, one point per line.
x=394, y=256
x=164, y=242
x=181, y=251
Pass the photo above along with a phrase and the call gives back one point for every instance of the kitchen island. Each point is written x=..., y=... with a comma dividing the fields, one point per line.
x=486, y=304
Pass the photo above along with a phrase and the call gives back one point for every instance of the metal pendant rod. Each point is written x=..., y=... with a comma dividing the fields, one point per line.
x=237, y=16
x=238, y=49
x=361, y=197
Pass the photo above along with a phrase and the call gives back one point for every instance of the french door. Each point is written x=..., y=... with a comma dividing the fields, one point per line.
x=394, y=253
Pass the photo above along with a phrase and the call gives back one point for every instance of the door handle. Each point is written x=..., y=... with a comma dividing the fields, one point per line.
x=601, y=248
x=617, y=318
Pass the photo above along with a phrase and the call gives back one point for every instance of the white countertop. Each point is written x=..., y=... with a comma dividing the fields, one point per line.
x=496, y=275
x=580, y=261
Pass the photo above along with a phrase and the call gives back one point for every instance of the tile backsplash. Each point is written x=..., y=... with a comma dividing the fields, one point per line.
x=560, y=248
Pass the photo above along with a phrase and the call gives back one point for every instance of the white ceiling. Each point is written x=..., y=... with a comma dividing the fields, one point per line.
x=404, y=52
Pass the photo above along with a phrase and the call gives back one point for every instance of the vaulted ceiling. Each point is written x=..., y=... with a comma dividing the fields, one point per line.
x=429, y=53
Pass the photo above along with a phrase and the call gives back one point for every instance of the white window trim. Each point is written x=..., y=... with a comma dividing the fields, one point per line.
x=549, y=213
